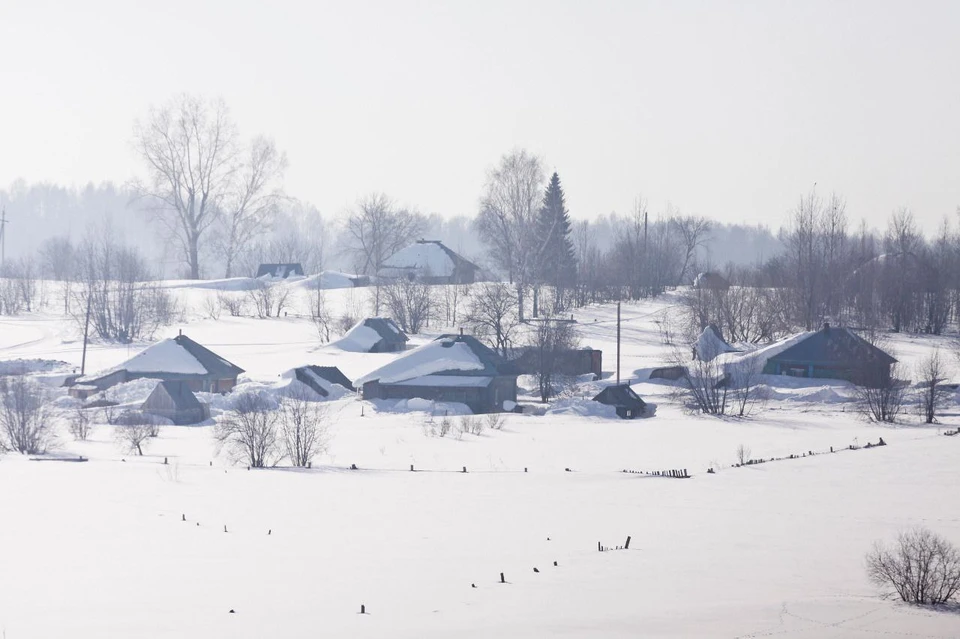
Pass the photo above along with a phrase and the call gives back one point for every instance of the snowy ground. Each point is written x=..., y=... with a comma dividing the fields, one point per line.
x=100, y=549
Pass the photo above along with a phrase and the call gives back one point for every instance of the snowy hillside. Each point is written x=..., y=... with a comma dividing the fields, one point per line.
x=182, y=543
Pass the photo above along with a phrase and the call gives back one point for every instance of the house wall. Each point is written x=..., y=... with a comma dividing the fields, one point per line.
x=851, y=373
x=480, y=400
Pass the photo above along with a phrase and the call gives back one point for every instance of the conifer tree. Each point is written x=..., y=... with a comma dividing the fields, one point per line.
x=557, y=259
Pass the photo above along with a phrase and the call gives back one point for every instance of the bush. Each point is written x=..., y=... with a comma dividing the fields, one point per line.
x=922, y=567
x=25, y=424
x=250, y=431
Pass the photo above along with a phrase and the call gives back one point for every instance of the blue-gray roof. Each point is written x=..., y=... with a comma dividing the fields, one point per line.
x=834, y=346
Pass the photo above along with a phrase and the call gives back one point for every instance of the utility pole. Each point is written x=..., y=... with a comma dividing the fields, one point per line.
x=86, y=329
x=618, y=343
x=3, y=236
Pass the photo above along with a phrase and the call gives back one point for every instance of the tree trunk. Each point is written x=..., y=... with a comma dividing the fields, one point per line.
x=194, y=256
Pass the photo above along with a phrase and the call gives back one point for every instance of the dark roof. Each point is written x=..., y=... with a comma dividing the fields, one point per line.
x=183, y=398
x=494, y=364
x=331, y=374
x=832, y=345
x=621, y=396
x=280, y=270
x=387, y=329
x=710, y=280
x=216, y=366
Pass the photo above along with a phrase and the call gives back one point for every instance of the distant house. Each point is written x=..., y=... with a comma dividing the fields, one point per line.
x=320, y=379
x=429, y=261
x=833, y=353
x=452, y=368
x=176, y=402
x=711, y=281
x=373, y=335
x=280, y=271
x=627, y=402
x=178, y=359
x=579, y=361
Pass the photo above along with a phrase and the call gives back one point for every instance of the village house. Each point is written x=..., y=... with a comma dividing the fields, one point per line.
x=176, y=402
x=321, y=379
x=178, y=359
x=430, y=262
x=628, y=404
x=280, y=271
x=452, y=368
x=832, y=353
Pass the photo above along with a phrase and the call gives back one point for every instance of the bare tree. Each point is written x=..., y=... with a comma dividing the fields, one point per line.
x=80, y=424
x=743, y=378
x=880, y=396
x=303, y=425
x=931, y=374
x=377, y=229
x=410, y=303
x=550, y=340
x=196, y=172
x=58, y=262
x=743, y=454
x=705, y=388
x=268, y=298
x=694, y=233
x=493, y=315
x=133, y=434
x=508, y=213
x=922, y=567
x=25, y=423
x=249, y=431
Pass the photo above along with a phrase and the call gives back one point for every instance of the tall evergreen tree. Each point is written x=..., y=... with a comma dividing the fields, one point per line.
x=556, y=259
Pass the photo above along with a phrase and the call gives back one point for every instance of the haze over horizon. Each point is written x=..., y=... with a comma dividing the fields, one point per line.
x=726, y=110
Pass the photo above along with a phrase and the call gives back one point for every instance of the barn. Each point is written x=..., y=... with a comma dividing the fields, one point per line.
x=176, y=402
x=629, y=405
x=431, y=262
x=452, y=368
x=178, y=359
x=711, y=282
x=373, y=335
x=832, y=353
x=572, y=362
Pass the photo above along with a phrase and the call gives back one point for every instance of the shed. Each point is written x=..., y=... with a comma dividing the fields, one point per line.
x=629, y=405
x=572, y=362
x=280, y=271
x=176, y=402
x=452, y=368
x=430, y=261
x=177, y=359
x=373, y=335
x=321, y=378
x=832, y=353
x=711, y=281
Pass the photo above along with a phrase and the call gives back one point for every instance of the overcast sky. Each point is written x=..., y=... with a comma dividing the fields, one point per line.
x=729, y=110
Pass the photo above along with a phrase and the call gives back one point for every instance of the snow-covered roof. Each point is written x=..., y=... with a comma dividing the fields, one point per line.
x=710, y=344
x=434, y=357
x=165, y=356
x=368, y=332
x=430, y=257
x=452, y=381
x=756, y=359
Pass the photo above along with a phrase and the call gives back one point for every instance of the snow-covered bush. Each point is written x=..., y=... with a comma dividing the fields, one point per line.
x=249, y=431
x=922, y=567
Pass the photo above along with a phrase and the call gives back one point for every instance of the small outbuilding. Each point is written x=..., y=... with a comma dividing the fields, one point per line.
x=373, y=335
x=629, y=405
x=320, y=379
x=832, y=353
x=572, y=362
x=711, y=281
x=176, y=402
x=280, y=271
x=452, y=368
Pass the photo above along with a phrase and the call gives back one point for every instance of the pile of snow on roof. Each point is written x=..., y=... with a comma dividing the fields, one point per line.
x=440, y=356
x=425, y=256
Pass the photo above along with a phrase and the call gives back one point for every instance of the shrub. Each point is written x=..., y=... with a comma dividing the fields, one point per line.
x=922, y=567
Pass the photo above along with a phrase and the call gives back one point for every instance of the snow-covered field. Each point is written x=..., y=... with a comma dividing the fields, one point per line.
x=101, y=549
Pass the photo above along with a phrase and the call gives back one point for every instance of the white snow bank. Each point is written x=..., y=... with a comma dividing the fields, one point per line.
x=134, y=392
x=421, y=405
x=582, y=408
x=165, y=356
x=433, y=357
x=326, y=280
x=359, y=339
x=24, y=366
x=230, y=284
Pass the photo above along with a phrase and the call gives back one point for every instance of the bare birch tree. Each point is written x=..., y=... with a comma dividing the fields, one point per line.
x=196, y=171
x=507, y=221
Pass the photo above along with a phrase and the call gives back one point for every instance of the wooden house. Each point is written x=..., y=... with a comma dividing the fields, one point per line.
x=452, y=368
x=373, y=335
x=431, y=262
x=280, y=271
x=178, y=359
x=320, y=379
x=573, y=362
x=832, y=353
